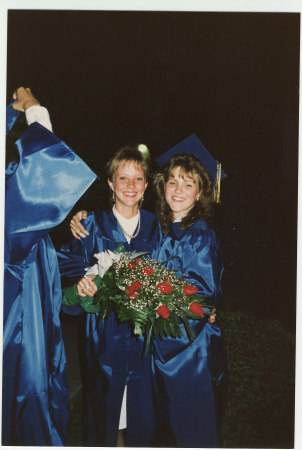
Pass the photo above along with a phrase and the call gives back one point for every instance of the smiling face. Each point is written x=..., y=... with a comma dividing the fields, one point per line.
x=181, y=191
x=129, y=185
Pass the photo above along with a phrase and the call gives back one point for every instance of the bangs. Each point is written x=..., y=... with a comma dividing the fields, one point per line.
x=188, y=165
x=125, y=162
x=125, y=156
x=184, y=172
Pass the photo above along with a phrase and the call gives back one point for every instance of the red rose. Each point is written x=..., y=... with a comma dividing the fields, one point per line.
x=164, y=287
x=168, y=278
x=190, y=290
x=146, y=270
x=135, y=286
x=196, y=308
x=131, y=265
x=163, y=311
x=130, y=292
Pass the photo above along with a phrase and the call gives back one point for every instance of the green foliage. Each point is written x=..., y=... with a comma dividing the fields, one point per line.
x=261, y=363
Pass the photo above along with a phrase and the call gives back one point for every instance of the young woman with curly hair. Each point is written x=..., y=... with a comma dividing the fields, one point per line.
x=189, y=375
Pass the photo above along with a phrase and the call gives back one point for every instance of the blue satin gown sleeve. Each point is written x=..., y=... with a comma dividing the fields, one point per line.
x=76, y=255
x=202, y=263
x=55, y=178
x=11, y=117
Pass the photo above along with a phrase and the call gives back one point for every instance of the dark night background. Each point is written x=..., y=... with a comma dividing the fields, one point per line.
x=114, y=77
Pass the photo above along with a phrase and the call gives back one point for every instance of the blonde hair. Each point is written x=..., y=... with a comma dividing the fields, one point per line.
x=128, y=153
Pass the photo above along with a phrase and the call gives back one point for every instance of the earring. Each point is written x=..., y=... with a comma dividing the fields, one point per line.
x=197, y=198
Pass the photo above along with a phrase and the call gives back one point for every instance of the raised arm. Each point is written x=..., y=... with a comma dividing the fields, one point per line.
x=34, y=112
x=44, y=186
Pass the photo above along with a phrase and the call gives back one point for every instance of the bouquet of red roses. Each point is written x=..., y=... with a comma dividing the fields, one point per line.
x=142, y=292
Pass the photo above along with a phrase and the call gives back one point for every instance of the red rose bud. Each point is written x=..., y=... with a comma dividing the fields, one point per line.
x=131, y=265
x=196, y=308
x=163, y=311
x=130, y=292
x=168, y=278
x=164, y=287
x=190, y=290
x=147, y=271
x=135, y=286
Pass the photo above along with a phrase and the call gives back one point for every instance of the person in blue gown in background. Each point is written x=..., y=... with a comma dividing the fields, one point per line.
x=189, y=375
x=41, y=189
x=117, y=381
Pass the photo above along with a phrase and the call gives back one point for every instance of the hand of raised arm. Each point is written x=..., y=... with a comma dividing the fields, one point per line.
x=24, y=99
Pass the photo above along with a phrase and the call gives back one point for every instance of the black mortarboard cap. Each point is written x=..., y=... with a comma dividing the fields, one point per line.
x=193, y=146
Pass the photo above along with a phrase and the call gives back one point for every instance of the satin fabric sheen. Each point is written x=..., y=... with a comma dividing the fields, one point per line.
x=11, y=117
x=40, y=191
x=114, y=356
x=189, y=374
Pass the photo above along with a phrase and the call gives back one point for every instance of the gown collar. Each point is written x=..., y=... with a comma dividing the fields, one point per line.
x=177, y=233
x=144, y=231
x=175, y=230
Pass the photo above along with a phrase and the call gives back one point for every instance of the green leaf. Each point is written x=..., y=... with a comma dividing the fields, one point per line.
x=189, y=330
x=155, y=328
x=88, y=304
x=148, y=337
x=193, y=316
x=175, y=328
x=166, y=327
x=120, y=248
x=70, y=296
x=160, y=326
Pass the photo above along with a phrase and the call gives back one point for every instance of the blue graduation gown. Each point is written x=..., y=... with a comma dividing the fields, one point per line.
x=114, y=357
x=40, y=191
x=186, y=372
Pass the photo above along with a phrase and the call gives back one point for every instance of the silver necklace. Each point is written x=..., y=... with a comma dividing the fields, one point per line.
x=130, y=236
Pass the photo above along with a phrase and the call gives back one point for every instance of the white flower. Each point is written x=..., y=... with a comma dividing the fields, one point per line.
x=105, y=260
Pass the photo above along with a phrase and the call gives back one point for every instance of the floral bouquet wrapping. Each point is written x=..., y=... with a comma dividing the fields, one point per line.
x=142, y=292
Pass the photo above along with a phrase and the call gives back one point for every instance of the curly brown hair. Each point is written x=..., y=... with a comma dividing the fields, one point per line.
x=203, y=208
x=128, y=153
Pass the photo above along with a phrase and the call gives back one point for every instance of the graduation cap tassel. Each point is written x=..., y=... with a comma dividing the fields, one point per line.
x=217, y=183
